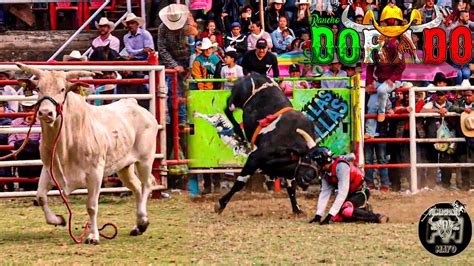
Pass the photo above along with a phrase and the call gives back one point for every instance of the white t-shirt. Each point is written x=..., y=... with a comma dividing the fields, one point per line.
x=234, y=72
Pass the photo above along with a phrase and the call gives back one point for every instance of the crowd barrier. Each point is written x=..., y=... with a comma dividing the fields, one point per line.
x=157, y=97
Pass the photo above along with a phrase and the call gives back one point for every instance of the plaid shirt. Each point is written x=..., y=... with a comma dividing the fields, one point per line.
x=172, y=47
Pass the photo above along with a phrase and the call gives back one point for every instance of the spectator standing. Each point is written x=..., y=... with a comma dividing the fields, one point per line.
x=5, y=171
x=260, y=60
x=464, y=72
x=231, y=70
x=322, y=8
x=138, y=42
x=105, y=28
x=301, y=17
x=173, y=48
x=273, y=14
x=207, y=66
x=281, y=42
x=428, y=11
x=334, y=71
x=256, y=34
x=31, y=149
x=9, y=90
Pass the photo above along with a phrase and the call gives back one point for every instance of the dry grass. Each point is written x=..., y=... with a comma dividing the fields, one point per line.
x=255, y=228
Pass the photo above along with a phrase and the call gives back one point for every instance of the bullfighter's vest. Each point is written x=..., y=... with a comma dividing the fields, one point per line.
x=356, y=175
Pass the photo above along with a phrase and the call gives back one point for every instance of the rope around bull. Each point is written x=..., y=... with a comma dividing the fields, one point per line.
x=61, y=193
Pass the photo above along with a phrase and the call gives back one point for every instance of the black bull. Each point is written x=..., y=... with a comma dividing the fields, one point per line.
x=279, y=152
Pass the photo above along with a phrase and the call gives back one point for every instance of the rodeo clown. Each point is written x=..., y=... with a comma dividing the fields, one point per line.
x=350, y=204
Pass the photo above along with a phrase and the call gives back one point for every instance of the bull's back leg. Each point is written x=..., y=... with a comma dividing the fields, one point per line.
x=44, y=186
x=248, y=170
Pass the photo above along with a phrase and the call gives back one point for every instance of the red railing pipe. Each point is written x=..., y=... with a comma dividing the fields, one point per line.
x=16, y=115
x=374, y=116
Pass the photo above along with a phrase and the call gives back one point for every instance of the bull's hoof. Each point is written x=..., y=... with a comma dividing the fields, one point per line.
x=297, y=211
x=63, y=221
x=218, y=207
x=135, y=232
x=92, y=241
x=143, y=227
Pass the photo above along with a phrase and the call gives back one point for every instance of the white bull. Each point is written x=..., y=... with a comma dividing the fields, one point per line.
x=95, y=141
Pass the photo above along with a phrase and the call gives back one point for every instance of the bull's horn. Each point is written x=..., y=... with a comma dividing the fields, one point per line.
x=35, y=71
x=430, y=25
x=79, y=74
x=309, y=140
x=351, y=24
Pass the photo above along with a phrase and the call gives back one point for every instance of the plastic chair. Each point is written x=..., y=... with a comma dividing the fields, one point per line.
x=55, y=7
x=94, y=5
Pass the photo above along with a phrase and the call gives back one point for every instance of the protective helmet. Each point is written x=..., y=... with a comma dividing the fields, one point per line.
x=322, y=156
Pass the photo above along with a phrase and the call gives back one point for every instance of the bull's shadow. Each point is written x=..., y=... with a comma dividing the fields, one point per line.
x=270, y=124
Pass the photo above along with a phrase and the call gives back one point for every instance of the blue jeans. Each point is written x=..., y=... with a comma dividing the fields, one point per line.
x=377, y=104
x=182, y=117
x=463, y=73
x=380, y=150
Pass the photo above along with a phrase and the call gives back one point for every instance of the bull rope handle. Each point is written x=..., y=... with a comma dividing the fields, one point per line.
x=25, y=141
x=65, y=200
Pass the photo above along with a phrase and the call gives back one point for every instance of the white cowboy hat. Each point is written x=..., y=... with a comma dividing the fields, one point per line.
x=276, y=2
x=31, y=101
x=74, y=55
x=467, y=124
x=206, y=44
x=105, y=22
x=133, y=17
x=303, y=2
x=174, y=16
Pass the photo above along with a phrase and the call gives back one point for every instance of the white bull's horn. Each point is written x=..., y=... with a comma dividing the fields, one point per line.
x=79, y=74
x=432, y=24
x=351, y=24
x=309, y=140
x=35, y=71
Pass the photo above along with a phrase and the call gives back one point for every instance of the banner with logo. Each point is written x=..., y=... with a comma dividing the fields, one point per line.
x=213, y=144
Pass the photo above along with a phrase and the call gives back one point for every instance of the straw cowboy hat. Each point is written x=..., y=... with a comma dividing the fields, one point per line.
x=132, y=17
x=105, y=22
x=74, y=55
x=174, y=16
x=467, y=124
x=31, y=101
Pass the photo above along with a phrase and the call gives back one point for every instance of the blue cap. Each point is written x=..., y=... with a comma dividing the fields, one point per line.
x=235, y=24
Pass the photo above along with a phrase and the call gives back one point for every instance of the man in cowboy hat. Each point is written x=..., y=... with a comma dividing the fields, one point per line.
x=138, y=42
x=206, y=66
x=8, y=90
x=464, y=106
x=31, y=150
x=173, y=48
x=105, y=27
x=75, y=55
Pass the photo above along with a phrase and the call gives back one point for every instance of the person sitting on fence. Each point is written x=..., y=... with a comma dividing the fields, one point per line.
x=465, y=128
x=105, y=27
x=31, y=149
x=207, y=66
x=5, y=171
x=289, y=85
x=334, y=71
x=9, y=90
x=138, y=41
x=350, y=204
x=231, y=70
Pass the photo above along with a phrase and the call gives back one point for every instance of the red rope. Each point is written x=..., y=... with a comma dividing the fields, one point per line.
x=64, y=198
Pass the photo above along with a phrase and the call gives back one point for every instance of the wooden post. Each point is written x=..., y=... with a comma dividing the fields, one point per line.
x=262, y=15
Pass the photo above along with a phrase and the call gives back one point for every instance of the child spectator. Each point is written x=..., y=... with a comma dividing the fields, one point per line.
x=231, y=70
x=236, y=40
x=289, y=85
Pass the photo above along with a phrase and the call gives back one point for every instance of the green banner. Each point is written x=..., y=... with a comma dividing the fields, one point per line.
x=213, y=144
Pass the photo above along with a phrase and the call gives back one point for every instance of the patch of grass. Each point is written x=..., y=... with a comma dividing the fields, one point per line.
x=255, y=228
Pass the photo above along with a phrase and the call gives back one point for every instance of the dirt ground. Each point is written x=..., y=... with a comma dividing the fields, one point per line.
x=255, y=228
